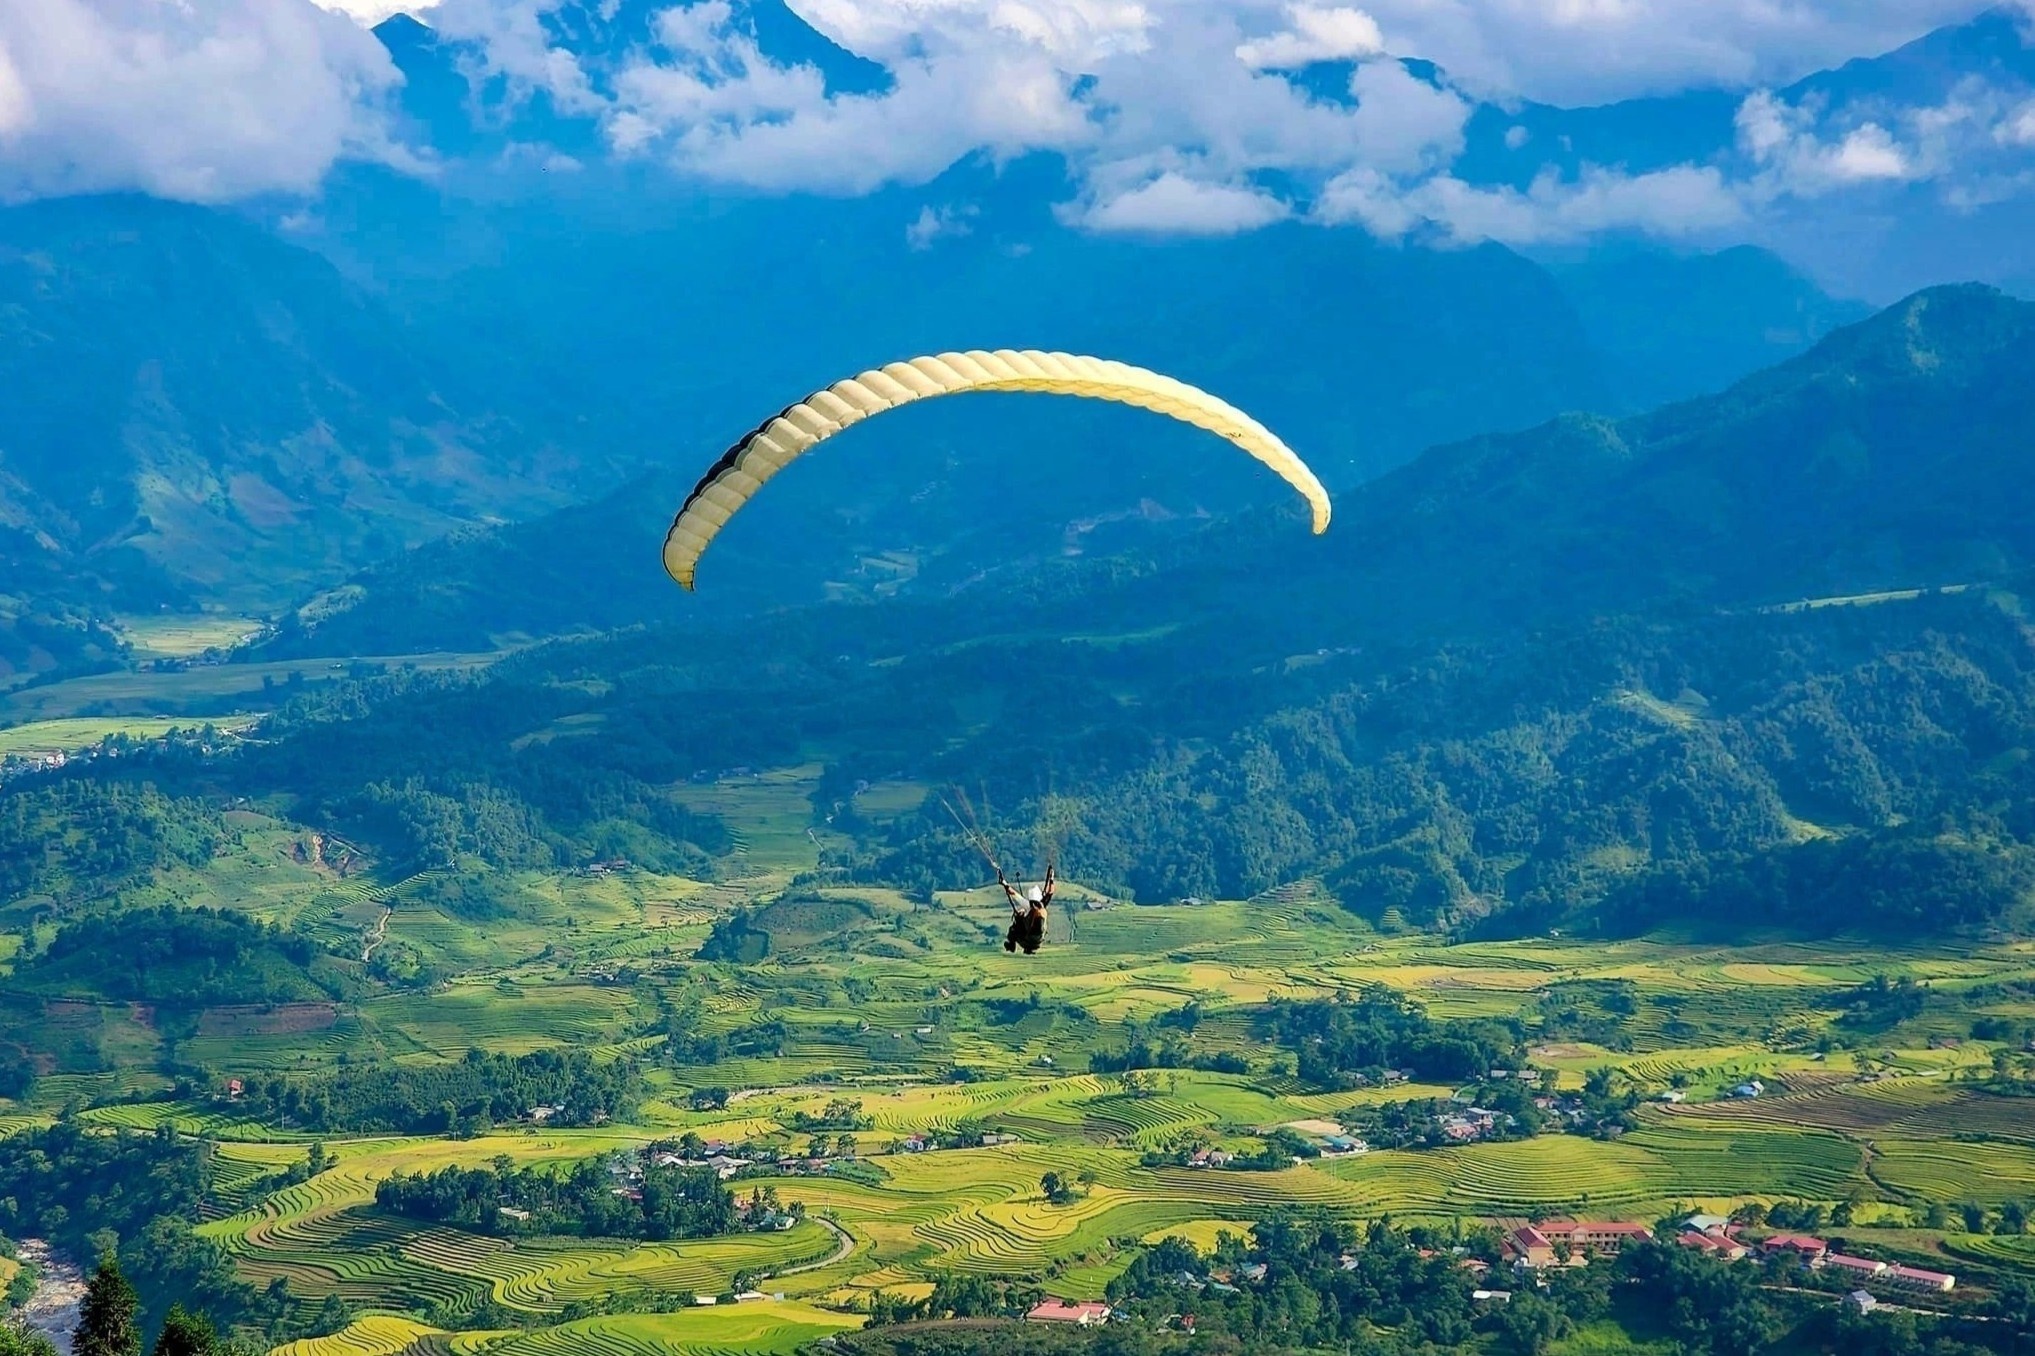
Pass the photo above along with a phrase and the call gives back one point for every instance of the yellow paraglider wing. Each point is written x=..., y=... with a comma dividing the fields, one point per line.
x=742, y=470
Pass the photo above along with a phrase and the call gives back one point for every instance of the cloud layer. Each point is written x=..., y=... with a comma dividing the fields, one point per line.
x=206, y=101
x=1174, y=116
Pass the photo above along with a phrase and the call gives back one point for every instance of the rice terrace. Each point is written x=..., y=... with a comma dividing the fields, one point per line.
x=1017, y=678
x=902, y=1103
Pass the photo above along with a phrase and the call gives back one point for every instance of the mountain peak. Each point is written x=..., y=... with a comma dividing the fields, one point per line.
x=1938, y=328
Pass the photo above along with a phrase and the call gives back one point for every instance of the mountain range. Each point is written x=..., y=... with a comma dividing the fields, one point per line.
x=1759, y=658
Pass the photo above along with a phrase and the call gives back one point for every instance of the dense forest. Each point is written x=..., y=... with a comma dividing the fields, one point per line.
x=132, y=1196
x=468, y=1097
x=178, y=957
x=1558, y=678
x=1342, y=1044
x=664, y=1203
x=69, y=839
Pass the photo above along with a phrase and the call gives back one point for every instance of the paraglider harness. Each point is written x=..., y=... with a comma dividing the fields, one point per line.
x=1028, y=921
x=1028, y=909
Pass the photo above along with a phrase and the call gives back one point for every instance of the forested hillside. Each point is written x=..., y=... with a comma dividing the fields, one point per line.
x=1566, y=676
x=203, y=414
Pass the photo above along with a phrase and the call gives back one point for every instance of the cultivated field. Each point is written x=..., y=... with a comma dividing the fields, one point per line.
x=882, y=1001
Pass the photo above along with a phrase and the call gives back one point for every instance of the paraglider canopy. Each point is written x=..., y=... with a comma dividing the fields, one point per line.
x=743, y=468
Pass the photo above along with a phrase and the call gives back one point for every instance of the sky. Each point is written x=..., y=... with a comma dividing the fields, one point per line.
x=1174, y=116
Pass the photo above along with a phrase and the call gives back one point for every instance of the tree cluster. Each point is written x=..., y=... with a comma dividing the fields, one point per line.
x=467, y=1097
x=587, y=1199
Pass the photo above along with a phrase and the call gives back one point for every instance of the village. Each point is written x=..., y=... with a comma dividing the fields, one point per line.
x=1527, y=1251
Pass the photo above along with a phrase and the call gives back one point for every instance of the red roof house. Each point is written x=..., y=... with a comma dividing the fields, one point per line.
x=1060, y=1311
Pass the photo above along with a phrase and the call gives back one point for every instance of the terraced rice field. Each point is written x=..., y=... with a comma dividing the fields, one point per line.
x=374, y=1335
x=752, y=1328
x=1943, y=1171
x=854, y=1012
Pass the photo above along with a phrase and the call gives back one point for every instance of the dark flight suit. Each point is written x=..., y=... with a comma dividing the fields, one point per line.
x=1026, y=931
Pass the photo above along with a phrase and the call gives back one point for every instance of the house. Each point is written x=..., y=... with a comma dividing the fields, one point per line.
x=1861, y=1301
x=234, y=1087
x=1594, y=1236
x=991, y=1140
x=1730, y=1249
x=1810, y=1249
x=1673, y=1095
x=1530, y=1247
x=1864, y=1268
x=1253, y=1271
x=1915, y=1278
x=510, y=1212
x=1750, y=1088
x=1344, y=1144
x=912, y=1144
x=1707, y=1224
x=1491, y=1296
x=1086, y=1314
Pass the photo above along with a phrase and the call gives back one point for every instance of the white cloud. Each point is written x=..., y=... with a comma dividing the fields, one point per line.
x=1403, y=123
x=1316, y=33
x=1675, y=203
x=1174, y=204
x=2016, y=129
x=204, y=102
x=374, y=11
x=1795, y=157
x=1172, y=115
x=1595, y=51
x=939, y=224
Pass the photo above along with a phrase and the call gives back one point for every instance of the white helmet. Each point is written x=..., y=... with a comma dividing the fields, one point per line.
x=1035, y=894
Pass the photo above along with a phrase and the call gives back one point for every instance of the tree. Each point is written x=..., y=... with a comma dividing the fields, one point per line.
x=20, y=1341
x=108, y=1319
x=185, y=1334
x=1528, y=1325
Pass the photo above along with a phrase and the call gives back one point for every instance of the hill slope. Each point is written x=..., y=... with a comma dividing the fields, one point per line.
x=1526, y=678
x=203, y=413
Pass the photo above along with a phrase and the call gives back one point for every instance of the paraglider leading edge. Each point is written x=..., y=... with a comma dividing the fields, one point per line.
x=767, y=449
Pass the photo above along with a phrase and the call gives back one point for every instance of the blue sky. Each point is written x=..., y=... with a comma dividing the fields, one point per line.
x=1176, y=116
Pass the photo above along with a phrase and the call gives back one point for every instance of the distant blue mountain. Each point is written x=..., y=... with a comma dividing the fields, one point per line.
x=1876, y=242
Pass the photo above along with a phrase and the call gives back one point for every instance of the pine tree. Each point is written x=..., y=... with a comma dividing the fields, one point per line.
x=19, y=1340
x=185, y=1334
x=108, y=1320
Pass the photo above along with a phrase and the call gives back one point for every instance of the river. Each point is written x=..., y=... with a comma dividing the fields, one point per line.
x=60, y=1287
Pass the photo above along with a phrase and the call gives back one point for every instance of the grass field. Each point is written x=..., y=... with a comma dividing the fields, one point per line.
x=202, y=690
x=44, y=737
x=184, y=636
x=881, y=1000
